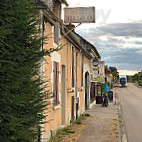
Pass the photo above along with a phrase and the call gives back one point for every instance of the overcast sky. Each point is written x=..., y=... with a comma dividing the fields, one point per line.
x=117, y=33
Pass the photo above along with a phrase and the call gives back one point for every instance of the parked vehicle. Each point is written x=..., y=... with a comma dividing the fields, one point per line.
x=123, y=81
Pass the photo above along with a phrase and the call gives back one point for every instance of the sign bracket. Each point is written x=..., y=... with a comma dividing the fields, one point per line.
x=69, y=31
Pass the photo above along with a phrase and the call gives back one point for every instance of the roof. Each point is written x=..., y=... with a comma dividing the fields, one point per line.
x=42, y=4
x=93, y=47
x=72, y=37
x=64, y=1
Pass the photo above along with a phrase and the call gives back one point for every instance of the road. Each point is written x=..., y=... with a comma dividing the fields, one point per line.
x=131, y=101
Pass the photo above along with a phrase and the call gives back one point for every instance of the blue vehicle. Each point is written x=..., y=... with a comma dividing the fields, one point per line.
x=123, y=81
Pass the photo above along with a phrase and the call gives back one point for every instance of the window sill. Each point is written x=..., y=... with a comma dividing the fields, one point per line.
x=56, y=107
x=55, y=44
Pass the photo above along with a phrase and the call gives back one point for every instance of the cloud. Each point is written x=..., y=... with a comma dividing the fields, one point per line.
x=123, y=29
x=119, y=44
x=131, y=29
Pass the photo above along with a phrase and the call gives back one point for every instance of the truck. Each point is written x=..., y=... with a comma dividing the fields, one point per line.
x=122, y=80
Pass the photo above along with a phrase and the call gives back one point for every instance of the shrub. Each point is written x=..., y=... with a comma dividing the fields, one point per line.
x=140, y=82
x=87, y=114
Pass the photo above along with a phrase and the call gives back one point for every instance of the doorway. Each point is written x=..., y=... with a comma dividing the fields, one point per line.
x=86, y=90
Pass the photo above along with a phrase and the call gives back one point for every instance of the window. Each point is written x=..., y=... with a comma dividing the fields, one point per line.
x=82, y=62
x=72, y=70
x=56, y=33
x=56, y=82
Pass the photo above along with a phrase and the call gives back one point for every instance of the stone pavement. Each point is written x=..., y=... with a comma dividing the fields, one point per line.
x=102, y=126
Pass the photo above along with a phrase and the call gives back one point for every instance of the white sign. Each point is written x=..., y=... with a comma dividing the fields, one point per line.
x=102, y=69
x=95, y=75
x=79, y=15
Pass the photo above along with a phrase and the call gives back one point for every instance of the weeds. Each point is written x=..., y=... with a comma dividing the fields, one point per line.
x=60, y=133
x=78, y=121
x=87, y=115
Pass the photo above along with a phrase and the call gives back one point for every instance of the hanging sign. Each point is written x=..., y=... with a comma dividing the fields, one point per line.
x=79, y=15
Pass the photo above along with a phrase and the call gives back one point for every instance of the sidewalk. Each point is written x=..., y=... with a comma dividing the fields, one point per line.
x=102, y=126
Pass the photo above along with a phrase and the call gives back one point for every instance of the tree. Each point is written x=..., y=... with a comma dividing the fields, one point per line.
x=136, y=77
x=114, y=72
x=21, y=98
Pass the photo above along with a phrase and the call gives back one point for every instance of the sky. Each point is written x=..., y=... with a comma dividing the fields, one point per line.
x=117, y=32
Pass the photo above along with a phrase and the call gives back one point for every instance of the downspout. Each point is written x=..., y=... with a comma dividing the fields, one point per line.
x=77, y=101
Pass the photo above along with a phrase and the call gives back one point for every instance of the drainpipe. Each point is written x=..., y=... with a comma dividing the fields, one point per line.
x=77, y=101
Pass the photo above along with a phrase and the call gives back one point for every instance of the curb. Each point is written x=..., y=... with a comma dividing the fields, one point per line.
x=122, y=136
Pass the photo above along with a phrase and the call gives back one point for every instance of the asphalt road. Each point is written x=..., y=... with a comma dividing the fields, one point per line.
x=131, y=101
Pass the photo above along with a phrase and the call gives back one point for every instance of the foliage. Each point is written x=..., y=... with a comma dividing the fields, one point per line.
x=67, y=130
x=78, y=121
x=140, y=82
x=21, y=97
x=87, y=115
x=136, y=77
x=82, y=117
x=114, y=72
x=60, y=133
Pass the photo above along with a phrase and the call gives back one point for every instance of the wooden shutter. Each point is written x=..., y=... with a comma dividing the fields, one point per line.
x=56, y=82
x=56, y=33
x=82, y=63
x=57, y=85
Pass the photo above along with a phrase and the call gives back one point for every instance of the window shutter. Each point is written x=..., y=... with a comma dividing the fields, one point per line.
x=82, y=62
x=56, y=33
x=57, y=86
x=56, y=82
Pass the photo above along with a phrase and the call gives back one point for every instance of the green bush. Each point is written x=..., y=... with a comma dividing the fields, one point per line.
x=78, y=122
x=87, y=114
x=140, y=82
